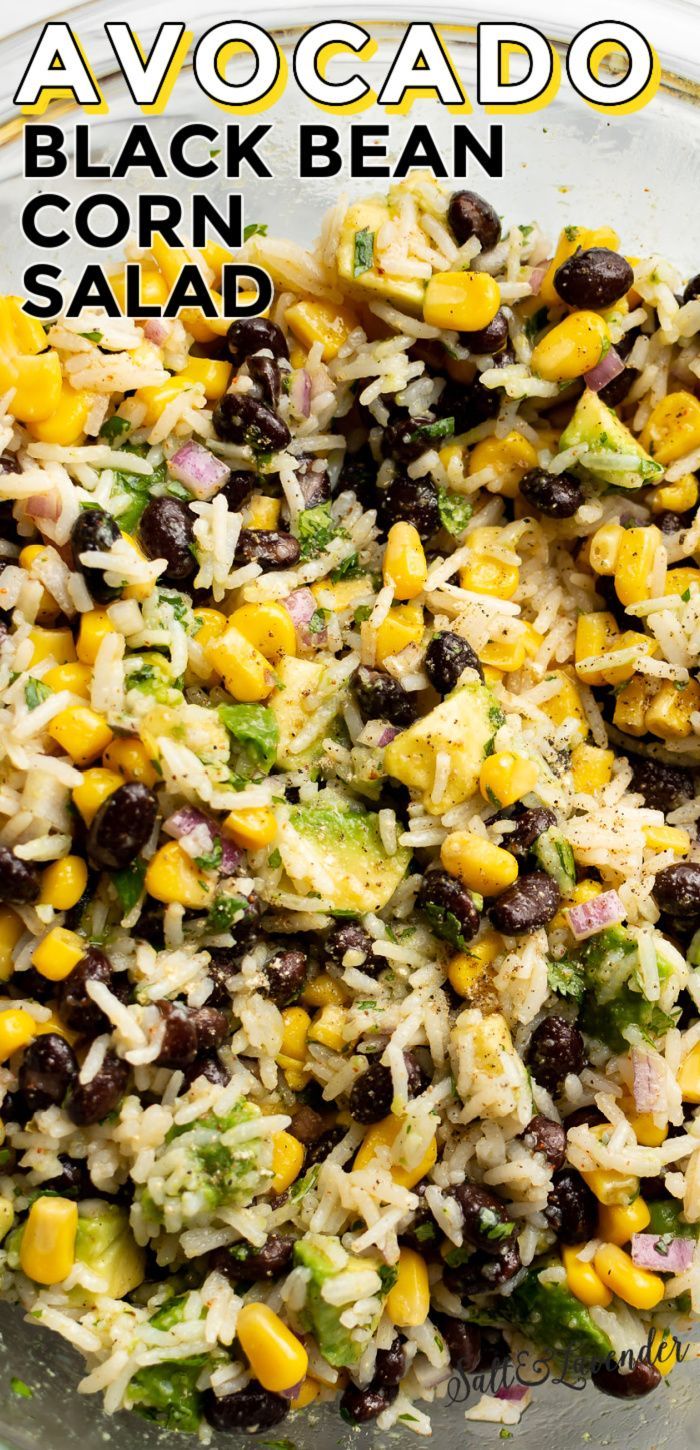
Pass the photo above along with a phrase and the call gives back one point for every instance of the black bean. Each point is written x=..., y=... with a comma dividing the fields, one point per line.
x=390, y=1364
x=664, y=787
x=222, y=968
x=359, y=1406
x=74, y=1179
x=306, y=1125
x=633, y=1385
x=677, y=889
x=359, y=474
x=557, y=495
x=49, y=1068
x=241, y=418
x=414, y=500
x=372, y=1094
x=572, y=1210
x=244, y=1262
x=470, y=215
x=489, y=339
x=590, y=1116
x=313, y=480
x=20, y=881
x=211, y=1027
x=617, y=389
x=530, y=823
x=75, y=1005
x=423, y=1236
x=30, y=984
x=482, y=1271
x=239, y=484
x=487, y=1224
x=446, y=658
x=90, y=1102
x=179, y=1046
x=209, y=1067
x=672, y=523
x=122, y=826
x=286, y=975
x=318, y=1151
x=248, y=335
x=266, y=374
x=166, y=531
x=529, y=903
x=463, y=1341
x=556, y=1049
x=692, y=289
x=467, y=405
x=448, y=906
x=9, y=463
x=268, y=548
x=406, y=438
x=544, y=1135
x=251, y=1409
x=94, y=531
x=594, y=277
x=381, y=697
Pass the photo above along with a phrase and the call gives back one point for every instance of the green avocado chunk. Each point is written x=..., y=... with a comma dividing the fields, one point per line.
x=341, y=857
x=322, y=1256
x=461, y=727
x=615, y=455
x=555, y=1320
x=611, y=1004
x=105, y=1243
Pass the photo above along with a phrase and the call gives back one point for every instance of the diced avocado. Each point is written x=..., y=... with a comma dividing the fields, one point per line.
x=299, y=680
x=555, y=856
x=166, y=1393
x=613, y=1000
x=325, y=1260
x=205, y=1165
x=462, y=726
x=341, y=856
x=105, y=1243
x=554, y=1319
x=600, y=428
x=363, y=220
x=667, y=1218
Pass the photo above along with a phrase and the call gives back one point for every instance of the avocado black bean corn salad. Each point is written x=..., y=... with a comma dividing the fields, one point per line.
x=349, y=868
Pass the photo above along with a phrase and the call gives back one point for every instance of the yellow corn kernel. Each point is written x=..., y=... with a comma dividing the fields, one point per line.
x=632, y=703
x=611, y=1187
x=57, y=953
x=404, y=564
x=208, y=329
x=253, y=828
x=465, y=301
x=484, y=574
x=510, y=458
x=7, y=1217
x=173, y=876
x=572, y=348
x=591, y=767
x=408, y=1300
x=17, y=1029
x=689, y=1076
x=268, y=627
x=571, y=239
x=94, y=788
x=482, y=866
x=63, y=883
x=492, y=676
x=37, y=384
x=327, y=1027
x=566, y=704
x=506, y=655
x=54, y=644
x=669, y=713
x=66, y=424
x=210, y=624
x=275, y=1355
x=635, y=557
x=48, y=610
x=466, y=970
x=383, y=1135
x=308, y=1392
x=604, y=548
x=667, y=838
x=153, y=288
x=296, y=1030
x=287, y=1160
x=324, y=991
x=596, y=633
x=532, y=639
x=74, y=677
x=47, y=1249
x=127, y=756
x=262, y=511
x=403, y=626
x=243, y=669
x=325, y=322
x=663, y=1351
x=582, y=1279
x=210, y=373
x=617, y=1222
x=95, y=624
x=11, y=929
x=81, y=732
x=678, y=497
x=156, y=398
x=673, y=428
x=682, y=581
x=648, y=1133
x=637, y=1287
x=506, y=777
x=294, y=1074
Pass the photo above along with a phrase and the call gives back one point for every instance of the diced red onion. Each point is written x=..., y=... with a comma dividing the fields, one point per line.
x=44, y=505
x=189, y=819
x=156, y=330
x=604, y=372
x=668, y=1255
x=292, y=1392
x=302, y=605
x=300, y=392
x=514, y=1393
x=198, y=469
x=388, y=734
x=538, y=275
x=648, y=1081
x=592, y=916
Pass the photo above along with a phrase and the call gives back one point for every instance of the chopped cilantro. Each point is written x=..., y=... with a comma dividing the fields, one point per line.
x=433, y=432
x=455, y=511
x=362, y=613
x=318, y=621
x=566, y=977
x=138, y=490
x=92, y=336
x=128, y=884
x=254, y=229
x=363, y=255
x=274, y=859
x=18, y=1387
x=35, y=692
x=212, y=860
x=316, y=530
x=114, y=427
x=347, y=569
x=525, y=231
x=571, y=233
x=534, y=324
x=225, y=911
x=255, y=729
